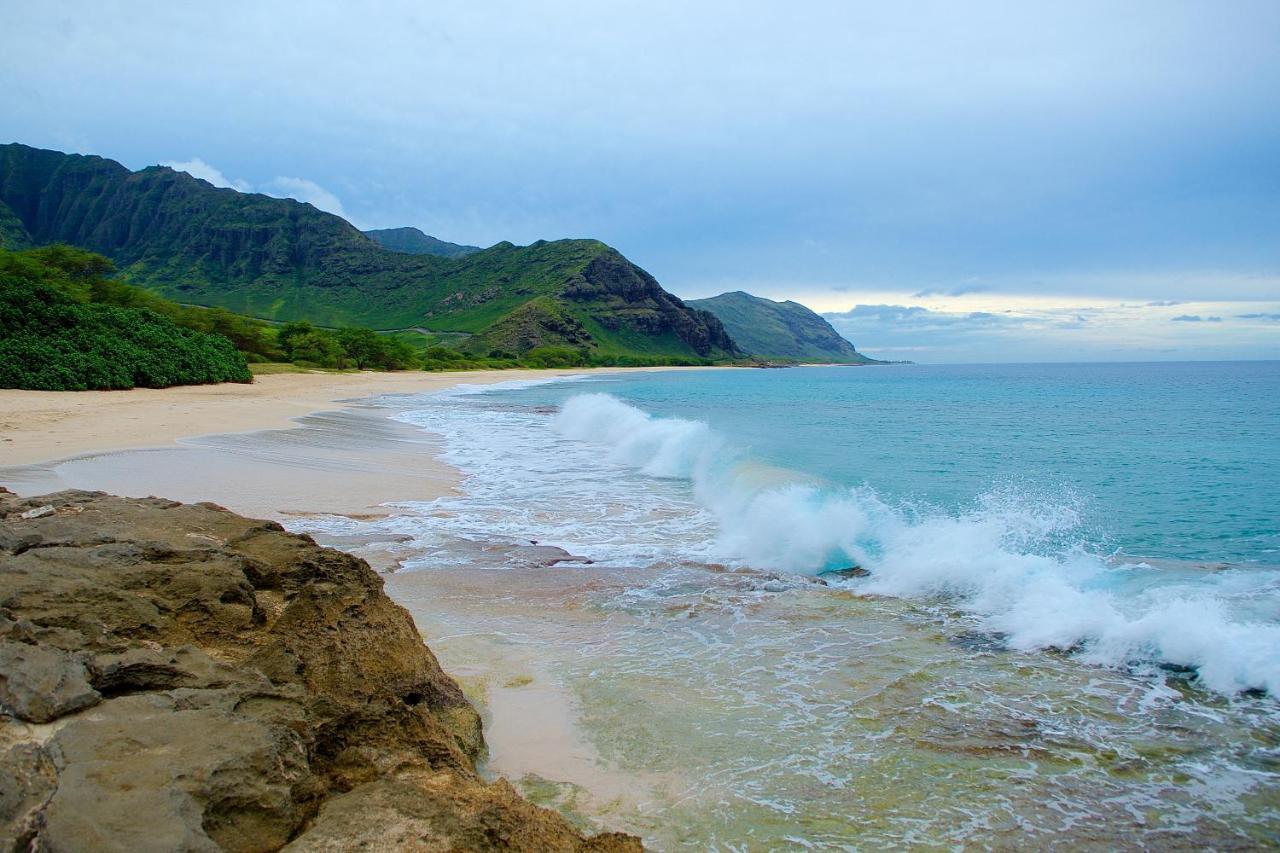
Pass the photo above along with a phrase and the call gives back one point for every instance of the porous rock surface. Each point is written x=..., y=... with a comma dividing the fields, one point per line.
x=177, y=677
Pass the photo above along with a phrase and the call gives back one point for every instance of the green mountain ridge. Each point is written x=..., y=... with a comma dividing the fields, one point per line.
x=281, y=259
x=785, y=331
x=412, y=241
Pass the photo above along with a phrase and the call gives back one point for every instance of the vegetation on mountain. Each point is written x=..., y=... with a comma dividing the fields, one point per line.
x=284, y=260
x=56, y=335
x=411, y=241
x=67, y=324
x=782, y=331
x=13, y=235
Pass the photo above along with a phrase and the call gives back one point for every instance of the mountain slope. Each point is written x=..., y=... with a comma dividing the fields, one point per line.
x=285, y=260
x=13, y=235
x=781, y=330
x=411, y=241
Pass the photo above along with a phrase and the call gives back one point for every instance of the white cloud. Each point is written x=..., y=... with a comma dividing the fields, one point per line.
x=280, y=186
x=197, y=168
x=1062, y=333
x=302, y=189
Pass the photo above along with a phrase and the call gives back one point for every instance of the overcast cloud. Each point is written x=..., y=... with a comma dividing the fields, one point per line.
x=962, y=158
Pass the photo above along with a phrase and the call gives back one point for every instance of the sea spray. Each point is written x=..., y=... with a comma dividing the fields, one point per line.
x=878, y=721
x=1018, y=562
x=659, y=447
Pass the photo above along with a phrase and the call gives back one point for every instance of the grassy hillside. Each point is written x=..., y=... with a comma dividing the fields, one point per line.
x=283, y=260
x=411, y=241
x=785, y=331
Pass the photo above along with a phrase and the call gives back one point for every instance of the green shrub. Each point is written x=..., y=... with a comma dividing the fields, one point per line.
x=53, y=338
x=556, y=357
x=371, y=351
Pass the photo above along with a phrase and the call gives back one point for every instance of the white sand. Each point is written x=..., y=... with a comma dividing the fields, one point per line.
x=296, y=444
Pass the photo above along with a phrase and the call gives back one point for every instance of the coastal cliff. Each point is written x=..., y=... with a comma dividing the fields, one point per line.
x=178, y=677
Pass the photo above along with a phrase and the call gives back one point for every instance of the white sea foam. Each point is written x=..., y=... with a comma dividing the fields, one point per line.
x=464, y=389
x=525, y=481
x=1019, y=562
x=659, y=447
x=608, y=480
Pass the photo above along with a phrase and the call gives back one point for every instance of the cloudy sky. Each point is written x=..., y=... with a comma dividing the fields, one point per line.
x=959, y=181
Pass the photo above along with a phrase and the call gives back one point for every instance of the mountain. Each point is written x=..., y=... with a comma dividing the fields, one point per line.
x=281, y=259
x=780, y=330
x=13, y=235
x=411, y=241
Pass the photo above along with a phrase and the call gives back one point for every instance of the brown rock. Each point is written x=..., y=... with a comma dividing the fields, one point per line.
x=207, y=681
x=27, y=781
x=40, y=684
x=422, y=811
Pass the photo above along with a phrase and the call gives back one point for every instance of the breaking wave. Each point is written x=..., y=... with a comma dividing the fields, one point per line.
x=1021, y=562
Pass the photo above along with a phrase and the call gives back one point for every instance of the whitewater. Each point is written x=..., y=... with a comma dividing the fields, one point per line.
x=1014, y=560
x=821, y=602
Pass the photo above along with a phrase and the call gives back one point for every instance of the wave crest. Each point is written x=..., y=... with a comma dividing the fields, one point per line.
x=1017, y=560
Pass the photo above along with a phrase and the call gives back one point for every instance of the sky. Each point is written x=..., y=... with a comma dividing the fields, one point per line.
x=947, y=182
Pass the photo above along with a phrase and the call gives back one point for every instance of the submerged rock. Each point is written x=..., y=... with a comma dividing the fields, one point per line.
x=546, y=555
x=177, y=677
x=848, y=572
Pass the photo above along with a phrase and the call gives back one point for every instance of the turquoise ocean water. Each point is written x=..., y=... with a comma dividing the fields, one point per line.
x=1178, y=461
x=1066, y=632
x=1127, y=512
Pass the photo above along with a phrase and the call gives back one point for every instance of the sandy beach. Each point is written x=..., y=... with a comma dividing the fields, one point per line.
x=292, y=446
x=43, y=426
x=326, y=452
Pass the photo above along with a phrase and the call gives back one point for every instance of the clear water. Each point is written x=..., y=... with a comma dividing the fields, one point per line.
x=1165, y=460
x=1068, y=636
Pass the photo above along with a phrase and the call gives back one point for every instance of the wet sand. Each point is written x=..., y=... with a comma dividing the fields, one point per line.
x=42, y=426
x=293, y=446
x=341, y=463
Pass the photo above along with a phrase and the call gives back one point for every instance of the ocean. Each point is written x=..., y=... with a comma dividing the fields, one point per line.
x=839, y=607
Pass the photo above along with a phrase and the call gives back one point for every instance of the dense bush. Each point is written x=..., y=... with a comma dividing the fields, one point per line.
x=53, y=337
x=363, y=349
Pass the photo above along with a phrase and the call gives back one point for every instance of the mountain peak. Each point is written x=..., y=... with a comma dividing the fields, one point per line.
x=779, y=330
x=413, y=241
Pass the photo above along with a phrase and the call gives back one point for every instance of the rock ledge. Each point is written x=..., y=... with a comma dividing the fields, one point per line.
x=177, y=677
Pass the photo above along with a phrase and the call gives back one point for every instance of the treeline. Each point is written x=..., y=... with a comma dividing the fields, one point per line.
x=60, y=330
x=341, y=349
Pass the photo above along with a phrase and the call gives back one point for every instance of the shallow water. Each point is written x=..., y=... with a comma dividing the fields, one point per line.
x=1033, y=659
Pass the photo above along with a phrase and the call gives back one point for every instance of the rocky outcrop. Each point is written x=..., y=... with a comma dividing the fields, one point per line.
x=177, y=677
x=537, y=323
x=624, y=296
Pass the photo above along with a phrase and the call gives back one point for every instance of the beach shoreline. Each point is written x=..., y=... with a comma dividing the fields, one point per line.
x=294, y=446
x=42, y=427
x=286, y=445
x=669, y=696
